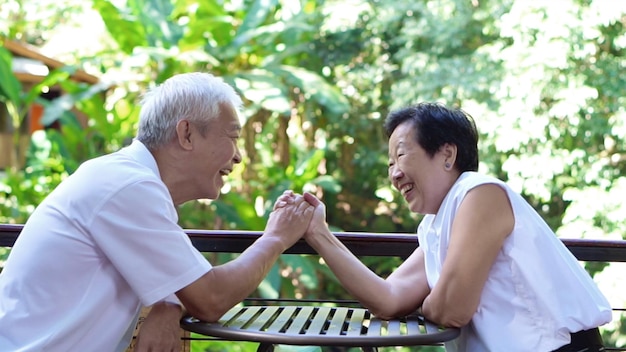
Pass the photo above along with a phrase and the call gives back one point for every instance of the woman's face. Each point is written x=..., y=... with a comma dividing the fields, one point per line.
x=420, y=178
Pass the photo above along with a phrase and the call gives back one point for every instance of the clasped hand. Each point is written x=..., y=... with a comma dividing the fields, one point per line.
x=317, y=221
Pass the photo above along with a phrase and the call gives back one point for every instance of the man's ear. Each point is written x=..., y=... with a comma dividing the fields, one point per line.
x=183, y=134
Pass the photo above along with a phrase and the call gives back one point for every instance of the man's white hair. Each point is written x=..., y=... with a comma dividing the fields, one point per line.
x=197, y=97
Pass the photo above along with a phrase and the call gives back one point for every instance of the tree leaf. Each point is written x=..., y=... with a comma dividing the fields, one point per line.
x=255, y=16
x=270, y=286
x=123, y=26
x=264, y=88
x=315, y=86
x=303, y=265
x=154, y=16
x=56, y=108
x=10, y=87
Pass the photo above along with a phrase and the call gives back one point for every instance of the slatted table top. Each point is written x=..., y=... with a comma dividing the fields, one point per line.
x=319, y=326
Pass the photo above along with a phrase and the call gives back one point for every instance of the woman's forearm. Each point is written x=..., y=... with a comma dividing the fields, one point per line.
x=362, y=283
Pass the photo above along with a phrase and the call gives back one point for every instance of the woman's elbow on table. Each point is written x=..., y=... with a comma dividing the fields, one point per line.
x=390, y=311
x=455, y=321
x=382, y=314
x=449, y=316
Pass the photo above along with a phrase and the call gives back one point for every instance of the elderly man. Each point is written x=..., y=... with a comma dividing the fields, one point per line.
x=106, y=241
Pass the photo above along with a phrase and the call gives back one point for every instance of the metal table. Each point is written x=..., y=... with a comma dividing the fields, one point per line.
x=319, y=326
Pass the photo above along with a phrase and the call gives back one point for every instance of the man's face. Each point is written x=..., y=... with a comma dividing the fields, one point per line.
x=216, y=153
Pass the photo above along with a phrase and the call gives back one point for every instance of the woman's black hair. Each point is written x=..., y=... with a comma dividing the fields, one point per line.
x=435, y=125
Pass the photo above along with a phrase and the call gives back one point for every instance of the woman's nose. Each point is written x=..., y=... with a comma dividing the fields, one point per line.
x=395, y=173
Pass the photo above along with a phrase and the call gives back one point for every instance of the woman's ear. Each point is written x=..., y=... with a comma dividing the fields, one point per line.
x=449, y=155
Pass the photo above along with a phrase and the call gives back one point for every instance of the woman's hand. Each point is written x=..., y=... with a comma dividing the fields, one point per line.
x=318, y=224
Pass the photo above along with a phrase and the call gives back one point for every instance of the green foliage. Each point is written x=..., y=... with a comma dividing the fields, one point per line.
x=542, y=80
x=10, y=87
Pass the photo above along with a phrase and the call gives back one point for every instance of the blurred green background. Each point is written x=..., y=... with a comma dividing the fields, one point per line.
x=543, y=80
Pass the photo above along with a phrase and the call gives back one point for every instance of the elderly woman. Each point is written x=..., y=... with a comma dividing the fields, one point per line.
x=486, y=263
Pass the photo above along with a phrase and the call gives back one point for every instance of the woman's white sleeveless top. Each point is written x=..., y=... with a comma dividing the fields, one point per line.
x=536, y=293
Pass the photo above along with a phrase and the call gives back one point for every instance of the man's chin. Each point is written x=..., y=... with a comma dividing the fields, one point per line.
x=213, y=195
x=210, y=195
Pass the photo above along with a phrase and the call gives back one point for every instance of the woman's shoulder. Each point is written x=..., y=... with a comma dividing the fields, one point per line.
x=470, y=179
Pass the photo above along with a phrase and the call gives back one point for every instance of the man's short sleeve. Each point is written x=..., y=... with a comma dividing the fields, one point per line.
x=137, y=231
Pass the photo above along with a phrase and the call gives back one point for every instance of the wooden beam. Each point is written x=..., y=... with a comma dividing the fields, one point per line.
x=29, y=51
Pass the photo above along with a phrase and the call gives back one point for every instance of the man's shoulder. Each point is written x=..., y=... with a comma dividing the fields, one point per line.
x=100, y=181
x=115, y=163
x=100, y=178
x=118, y=166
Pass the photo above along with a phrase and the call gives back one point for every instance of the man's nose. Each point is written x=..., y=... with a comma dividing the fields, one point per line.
x=237, y=158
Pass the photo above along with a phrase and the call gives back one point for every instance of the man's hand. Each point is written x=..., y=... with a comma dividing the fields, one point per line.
x=160, y=332
x=289, y=219
x=318, y=222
